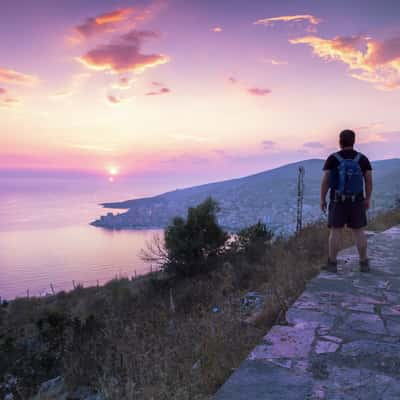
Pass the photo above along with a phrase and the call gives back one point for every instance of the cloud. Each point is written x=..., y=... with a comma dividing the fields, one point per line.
x=369, y=60
x=2, y=91
x=258, y=91
x=106, y=22
x=17, y=78
x=313, y=145
x=309, y=19
x=371, y=125
x=114, y=99
x=268, y=144
x=8, y=102
x=217, y=29
x=124, y=55
x=123, y=83
x=382, y=145
x=163, y=90
x=275, y=62
x=232, y=80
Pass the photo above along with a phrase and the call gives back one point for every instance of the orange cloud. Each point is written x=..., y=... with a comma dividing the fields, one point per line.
x=17, y=78
x=8, y=102
x=217, y=29
x=258, y=91
x=289, y=18
x=113, y=99
x=373, y=61
x=124, y=55
x=114, y=16
x=106, y=22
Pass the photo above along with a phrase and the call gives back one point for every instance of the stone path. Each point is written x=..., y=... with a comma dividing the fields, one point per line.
x=342, y=341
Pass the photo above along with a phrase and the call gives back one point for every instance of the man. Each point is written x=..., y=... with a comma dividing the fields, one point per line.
x=348, y=177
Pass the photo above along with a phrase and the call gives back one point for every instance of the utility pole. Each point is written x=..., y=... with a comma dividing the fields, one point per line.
x=300, y=198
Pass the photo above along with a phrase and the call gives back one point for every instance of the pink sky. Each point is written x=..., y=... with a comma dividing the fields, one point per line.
x=196, y=89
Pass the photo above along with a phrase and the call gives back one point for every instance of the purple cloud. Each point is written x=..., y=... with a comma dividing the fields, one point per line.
x=163, y=90
x=268, y=144
x=313, y=145
x=124, y=55
x=258, y=91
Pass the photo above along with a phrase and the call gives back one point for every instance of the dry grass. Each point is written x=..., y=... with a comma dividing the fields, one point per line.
x=124, y=340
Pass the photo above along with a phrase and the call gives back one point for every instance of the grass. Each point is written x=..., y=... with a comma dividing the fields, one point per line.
x=126, y=341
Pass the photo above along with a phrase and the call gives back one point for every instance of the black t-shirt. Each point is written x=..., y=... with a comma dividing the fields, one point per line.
x=332, y=162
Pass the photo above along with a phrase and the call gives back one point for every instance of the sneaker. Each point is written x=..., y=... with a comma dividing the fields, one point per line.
x=364, y=266
x=330, y=266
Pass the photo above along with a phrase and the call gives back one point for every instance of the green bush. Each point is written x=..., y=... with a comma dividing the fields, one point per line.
x=193, y=243
x=253, y=240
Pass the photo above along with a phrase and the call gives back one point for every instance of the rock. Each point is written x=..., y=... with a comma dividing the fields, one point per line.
x=81, y=392
x=9, y=396
x=53, y=386
x=252, y=302
x=94, y=396
x=53, y=389
x=196, y=365
x=325, y=347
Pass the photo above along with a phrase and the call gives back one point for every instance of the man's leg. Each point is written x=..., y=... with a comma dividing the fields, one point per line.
x=361, y=243
x=334, y=243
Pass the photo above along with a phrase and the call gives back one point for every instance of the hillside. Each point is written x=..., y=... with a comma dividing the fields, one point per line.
x=269, y=196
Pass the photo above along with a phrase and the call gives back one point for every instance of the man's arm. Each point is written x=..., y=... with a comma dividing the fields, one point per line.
x=324, y=189
x=368, y=188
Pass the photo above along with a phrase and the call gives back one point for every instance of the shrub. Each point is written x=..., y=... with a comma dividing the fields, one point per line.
x=253, y=240
x=192, y=243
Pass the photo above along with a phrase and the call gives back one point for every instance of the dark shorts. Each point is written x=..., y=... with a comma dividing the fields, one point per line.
x=352, y=214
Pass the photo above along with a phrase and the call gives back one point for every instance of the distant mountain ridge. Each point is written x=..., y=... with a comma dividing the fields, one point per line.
x=269, y=196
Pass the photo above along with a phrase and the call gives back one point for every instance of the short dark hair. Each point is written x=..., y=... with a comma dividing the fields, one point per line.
x=347, y=138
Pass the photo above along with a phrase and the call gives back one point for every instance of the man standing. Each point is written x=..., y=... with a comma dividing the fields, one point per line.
x=348, y=177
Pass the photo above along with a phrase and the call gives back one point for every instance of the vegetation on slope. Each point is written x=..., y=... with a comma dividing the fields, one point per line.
x=128, y=340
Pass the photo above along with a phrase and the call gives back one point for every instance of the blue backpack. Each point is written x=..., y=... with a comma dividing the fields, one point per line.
x=348, y=179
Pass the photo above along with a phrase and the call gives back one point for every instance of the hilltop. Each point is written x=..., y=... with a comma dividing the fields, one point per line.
x=269, y=196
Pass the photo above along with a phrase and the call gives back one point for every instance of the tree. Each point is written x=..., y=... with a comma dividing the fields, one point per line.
x=190, y=245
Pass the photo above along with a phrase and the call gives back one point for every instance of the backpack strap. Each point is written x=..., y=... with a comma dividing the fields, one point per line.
x=338, y=157
x=357, y=158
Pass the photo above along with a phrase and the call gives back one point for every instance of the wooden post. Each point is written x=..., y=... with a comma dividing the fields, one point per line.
x=73, y=284
x=52, y=289
x=27, y=293
x=98, y=284
x=135, y=274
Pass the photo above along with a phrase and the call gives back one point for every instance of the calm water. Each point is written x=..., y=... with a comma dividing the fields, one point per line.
x=45, y=237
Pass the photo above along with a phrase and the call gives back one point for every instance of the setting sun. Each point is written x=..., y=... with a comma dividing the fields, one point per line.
x=113, y=170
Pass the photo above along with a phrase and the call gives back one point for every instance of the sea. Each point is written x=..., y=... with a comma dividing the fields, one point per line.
x=47, y=244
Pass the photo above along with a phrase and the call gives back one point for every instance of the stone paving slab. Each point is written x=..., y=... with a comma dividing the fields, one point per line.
x=342, y=341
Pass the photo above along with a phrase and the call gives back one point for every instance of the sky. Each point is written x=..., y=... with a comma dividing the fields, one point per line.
x=194, y=90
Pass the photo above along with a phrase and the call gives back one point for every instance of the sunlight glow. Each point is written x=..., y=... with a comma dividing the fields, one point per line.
x=113, y=170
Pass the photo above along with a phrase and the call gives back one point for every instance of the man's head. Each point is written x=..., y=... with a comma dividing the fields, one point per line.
x=347, y=138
